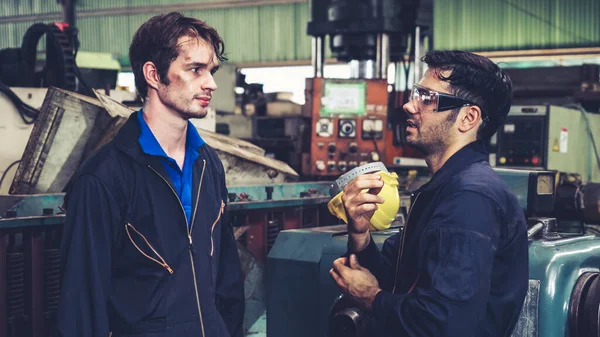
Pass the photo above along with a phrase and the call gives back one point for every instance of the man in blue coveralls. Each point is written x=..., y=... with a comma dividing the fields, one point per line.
x=147, y=247
x=461, y=266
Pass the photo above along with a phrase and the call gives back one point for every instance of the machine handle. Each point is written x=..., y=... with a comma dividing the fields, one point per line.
x=531, y=232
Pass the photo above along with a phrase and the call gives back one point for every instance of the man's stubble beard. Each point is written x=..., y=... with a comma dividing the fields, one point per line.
x=184, y=112
x=437, y=139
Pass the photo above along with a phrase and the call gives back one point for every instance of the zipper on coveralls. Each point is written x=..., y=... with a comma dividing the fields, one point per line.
x=402, y=244
x=189, y=232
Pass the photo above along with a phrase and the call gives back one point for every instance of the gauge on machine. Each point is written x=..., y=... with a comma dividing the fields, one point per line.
x=545, y=184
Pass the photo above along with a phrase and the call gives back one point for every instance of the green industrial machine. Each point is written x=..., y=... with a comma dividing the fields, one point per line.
x=564, y=290
x=552, y=138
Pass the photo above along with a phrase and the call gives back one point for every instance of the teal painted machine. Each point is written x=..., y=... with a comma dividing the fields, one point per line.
x=564, y=293
x=567, y=270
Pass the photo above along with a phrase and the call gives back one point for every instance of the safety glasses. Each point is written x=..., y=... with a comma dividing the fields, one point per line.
x=425, y=99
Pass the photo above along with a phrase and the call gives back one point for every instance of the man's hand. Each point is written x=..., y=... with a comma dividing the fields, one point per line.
x=360, y=207
x=355, y=281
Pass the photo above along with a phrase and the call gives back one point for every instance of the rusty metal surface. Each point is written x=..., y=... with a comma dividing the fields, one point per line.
x=243, y=167
x=213, y=139
x=68, y=127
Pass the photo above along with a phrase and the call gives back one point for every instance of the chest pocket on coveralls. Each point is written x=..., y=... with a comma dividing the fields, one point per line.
x=145, y=247
x=212, y=229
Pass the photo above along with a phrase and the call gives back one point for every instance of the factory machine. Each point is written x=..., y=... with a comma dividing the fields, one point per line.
x=564, y=288
x=550, y=137
x=355, y=121
x=31, y=230
x=350, y=124
x=558, y=138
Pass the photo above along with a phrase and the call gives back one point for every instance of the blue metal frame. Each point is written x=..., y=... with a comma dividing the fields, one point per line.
x=29, y=209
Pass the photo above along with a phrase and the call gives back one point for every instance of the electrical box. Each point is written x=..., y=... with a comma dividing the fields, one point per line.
x=348, y=124
x=550, y=137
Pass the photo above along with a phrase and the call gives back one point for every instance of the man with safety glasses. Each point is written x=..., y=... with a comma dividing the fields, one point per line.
x=460, y=268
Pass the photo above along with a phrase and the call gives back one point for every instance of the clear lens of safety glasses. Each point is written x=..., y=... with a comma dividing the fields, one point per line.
x=424, y=99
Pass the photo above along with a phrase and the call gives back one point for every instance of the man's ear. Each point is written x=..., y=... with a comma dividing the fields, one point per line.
x=151, y=74
x=469, y=118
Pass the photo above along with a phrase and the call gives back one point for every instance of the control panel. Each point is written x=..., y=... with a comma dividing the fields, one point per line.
x=551, y=138
x=348, y=124
x=523, y=141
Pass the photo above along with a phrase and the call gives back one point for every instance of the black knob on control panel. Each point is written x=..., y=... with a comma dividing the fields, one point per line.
x=353, y=148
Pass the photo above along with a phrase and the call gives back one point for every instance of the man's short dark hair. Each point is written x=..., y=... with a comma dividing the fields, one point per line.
x=477, y=79
x=156, y=41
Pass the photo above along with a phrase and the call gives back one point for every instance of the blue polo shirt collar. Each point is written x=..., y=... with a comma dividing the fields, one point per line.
x=181, y=179
x=150, y=145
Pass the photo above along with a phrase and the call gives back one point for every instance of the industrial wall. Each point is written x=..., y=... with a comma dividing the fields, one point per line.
x=487, y=25
x=275, y=30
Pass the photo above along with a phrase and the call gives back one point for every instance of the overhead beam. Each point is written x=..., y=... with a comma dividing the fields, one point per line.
x=541, y=54
x=149, y=9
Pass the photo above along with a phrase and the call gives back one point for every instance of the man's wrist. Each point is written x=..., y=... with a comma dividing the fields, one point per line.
x=358, y=241
x=372, y=299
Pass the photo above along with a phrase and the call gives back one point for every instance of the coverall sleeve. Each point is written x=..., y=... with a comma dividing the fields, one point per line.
x=91, y=214
x=461, y=241
x=230, y=284
x=381, y=264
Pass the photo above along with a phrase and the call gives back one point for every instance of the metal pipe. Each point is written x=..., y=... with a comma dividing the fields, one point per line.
x=398, y=73
x=362, y=69
x=417, y=54
x=385, y=54
x=378, y=56
x=318, y=55
x=354, y=64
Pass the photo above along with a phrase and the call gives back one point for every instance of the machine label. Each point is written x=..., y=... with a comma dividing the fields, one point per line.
x=564, y=138
x=509, y=128
x=344, y=98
